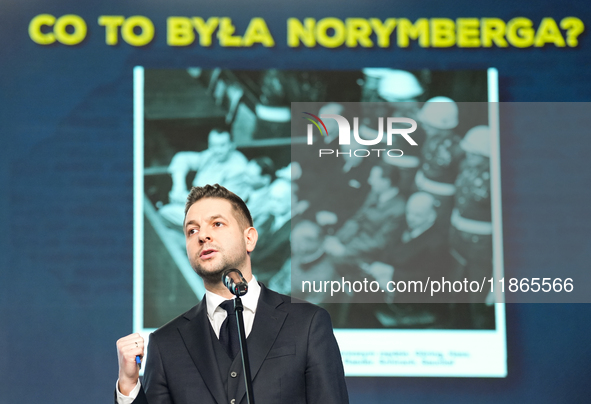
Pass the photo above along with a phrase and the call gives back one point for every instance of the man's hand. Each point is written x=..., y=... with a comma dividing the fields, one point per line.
x=129, y=371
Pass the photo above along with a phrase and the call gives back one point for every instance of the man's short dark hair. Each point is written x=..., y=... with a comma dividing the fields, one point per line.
x=217, y=191
x=222, y=129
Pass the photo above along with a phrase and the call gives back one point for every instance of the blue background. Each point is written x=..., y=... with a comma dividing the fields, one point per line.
x=66, y=153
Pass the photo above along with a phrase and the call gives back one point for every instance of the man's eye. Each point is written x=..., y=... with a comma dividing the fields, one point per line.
x=192, y=231
x=218, y=224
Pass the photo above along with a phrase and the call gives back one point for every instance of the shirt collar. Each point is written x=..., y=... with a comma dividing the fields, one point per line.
x=249, y=300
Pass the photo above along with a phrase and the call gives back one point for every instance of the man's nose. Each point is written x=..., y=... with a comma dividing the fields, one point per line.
x=204, y=236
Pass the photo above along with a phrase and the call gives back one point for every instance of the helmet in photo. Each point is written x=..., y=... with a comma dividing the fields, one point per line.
x=399, y=86
x=477, y=141
x=376, y=72
x=440, y=113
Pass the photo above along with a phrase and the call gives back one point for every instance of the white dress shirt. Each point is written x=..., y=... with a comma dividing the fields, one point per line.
x=216, y=316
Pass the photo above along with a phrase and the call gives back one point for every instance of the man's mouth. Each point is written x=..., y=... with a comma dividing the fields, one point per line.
x=207, y=253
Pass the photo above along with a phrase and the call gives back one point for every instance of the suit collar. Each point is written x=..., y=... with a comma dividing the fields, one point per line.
x=197, y=338
x=196, y=335
x=267, y=323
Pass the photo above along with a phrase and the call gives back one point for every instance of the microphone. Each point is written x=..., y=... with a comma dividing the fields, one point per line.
x=235, y=282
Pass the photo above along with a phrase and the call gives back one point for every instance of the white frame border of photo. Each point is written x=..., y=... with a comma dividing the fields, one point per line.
x=422, y=353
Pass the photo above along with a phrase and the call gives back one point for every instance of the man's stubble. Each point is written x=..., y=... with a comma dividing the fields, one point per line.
x=225, y=261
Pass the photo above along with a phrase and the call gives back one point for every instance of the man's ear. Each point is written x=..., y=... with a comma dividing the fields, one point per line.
x=251, y=236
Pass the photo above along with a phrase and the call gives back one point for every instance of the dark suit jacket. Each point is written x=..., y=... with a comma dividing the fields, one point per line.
x=374, y=227
x=293, y=354
x=418, y=259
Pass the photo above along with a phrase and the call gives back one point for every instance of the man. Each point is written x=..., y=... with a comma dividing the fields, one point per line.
x=471, y=230
x=420, y=253
x=335, y=185
x=220, y=163
x=274, y=232
x=294, y=356
x=401, y=91
x=348, y=188
x=398, y=88
x=441, y=153
x=309, y=261
x=471, y=227
x=421, y=250
x=256, y=183
x=377, y=223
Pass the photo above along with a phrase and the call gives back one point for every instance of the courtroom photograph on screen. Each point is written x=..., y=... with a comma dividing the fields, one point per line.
x=330, y=211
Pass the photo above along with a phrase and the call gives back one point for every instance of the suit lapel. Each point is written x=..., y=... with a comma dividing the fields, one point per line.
x=267, y=324
x=197, y=338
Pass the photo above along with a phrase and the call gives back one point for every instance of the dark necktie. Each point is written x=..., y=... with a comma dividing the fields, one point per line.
x=229, y=330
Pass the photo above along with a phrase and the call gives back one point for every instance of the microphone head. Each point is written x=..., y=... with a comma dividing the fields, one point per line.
x=240, y=289
x=235, y=282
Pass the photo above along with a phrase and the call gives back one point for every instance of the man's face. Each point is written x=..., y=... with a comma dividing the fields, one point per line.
x=415, y=217
x=419, y=214
x=220, y=144
x=377, y=181
x=215, y=239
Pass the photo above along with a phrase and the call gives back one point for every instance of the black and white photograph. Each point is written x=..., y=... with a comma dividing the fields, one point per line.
x=326, y=211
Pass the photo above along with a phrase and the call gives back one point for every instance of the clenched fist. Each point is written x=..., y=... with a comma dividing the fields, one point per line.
x=129, y=372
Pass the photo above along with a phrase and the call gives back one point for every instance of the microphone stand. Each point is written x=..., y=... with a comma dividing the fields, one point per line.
x=239, y=309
